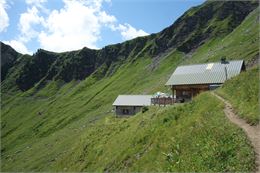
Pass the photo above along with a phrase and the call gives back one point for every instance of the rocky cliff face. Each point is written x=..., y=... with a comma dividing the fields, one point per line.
x=8, y=58
x=192, y=29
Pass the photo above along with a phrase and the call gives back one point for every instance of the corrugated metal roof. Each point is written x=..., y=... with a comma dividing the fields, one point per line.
x=133, y=100
x=209, y=73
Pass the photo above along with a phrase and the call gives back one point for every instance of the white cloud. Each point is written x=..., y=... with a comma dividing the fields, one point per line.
x=27, y=26
x=128, y=32
x=38, y=3
x=76, y=25
x=35, y=2
x=28, y=21
x=105, y=18
x=18, y=46
x=4, y=19
x=79, y=24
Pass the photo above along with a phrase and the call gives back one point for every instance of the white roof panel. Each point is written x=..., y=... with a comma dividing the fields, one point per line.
x=133, y=100
x=205, y=73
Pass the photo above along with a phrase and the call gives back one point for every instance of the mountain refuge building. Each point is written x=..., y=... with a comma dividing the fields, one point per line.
x=186, y=82
x=190, y=80
x=131, y=104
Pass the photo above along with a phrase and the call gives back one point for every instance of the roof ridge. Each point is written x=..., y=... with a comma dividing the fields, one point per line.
x=207, y=63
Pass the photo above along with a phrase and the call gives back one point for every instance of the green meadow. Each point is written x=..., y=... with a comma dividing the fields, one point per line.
x=70, y=126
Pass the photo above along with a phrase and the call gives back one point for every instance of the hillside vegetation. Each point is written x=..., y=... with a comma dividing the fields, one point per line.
x=243, y=93
x=192, y=137
x=56, y=107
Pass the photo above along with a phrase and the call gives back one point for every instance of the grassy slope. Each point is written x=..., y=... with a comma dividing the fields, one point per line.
x=180, y=138
x=242, y=43
x=243, y=92
x=60, y=138
x=74, y=107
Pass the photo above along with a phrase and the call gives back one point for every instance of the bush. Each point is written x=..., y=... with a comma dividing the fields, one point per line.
x=144, y=109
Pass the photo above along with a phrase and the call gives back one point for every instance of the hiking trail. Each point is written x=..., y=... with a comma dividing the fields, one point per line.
x=252, y=132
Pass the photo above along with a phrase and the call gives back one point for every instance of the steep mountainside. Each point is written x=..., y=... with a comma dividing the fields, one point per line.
x=193, y=29
x=56, y=107
x=8, y=58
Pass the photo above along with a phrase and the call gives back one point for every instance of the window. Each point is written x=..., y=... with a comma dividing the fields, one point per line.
x=185, y=93
x=125, y=111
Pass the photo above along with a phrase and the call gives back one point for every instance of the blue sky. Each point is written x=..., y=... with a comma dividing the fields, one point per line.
x=64, y=25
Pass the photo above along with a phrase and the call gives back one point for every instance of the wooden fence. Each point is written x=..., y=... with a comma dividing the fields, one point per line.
x=162, y=101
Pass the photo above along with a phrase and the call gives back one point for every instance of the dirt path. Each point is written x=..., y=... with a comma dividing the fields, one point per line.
x=251, y=131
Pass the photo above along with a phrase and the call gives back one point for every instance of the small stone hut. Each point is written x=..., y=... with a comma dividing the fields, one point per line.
x=131, y=104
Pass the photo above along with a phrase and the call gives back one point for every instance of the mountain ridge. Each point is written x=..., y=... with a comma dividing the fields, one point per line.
x=82, y=63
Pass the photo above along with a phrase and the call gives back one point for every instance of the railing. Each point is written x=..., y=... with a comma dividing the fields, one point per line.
x=163, y=101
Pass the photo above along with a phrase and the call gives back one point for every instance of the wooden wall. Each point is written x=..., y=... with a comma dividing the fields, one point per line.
x=188, y=91
x=127, y=110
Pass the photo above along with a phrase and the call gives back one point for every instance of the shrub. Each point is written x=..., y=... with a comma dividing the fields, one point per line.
x=144, y=109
